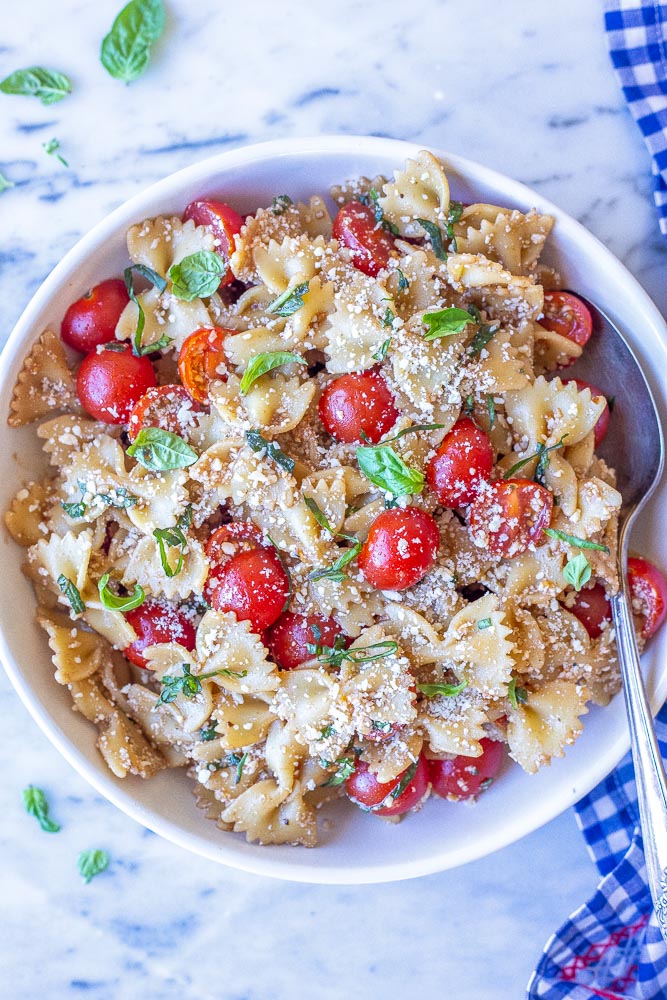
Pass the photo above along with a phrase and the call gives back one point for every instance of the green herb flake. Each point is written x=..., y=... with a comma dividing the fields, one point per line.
x=189, y=684
x=484, y=623
x=373, y=200
x=381, y=727
x=491, y=407
x=318, y=514
x=289, y=302
x=327, y=732
x=209, y=733
x=404, y=783
x=387, y=470
x=577, y=571
x=281, y=203
x=158, y=282
x=71, y=592
x=453, y=215
x=266, y=362
x=403, y=283
x=446, y=690
x=126, y=49
x=335, y=571
x=114, y=603
x=46, y=84
x=51, y=149
x=161, y=451
x=578, y=543
x=5, y=184
x=36, y=805
x=434, y=234
x=388, y=317
x=255, y=441
x=415, y=429
x=344, y=768
x=197, y=276
x=517, y=695
x=481, y=339
x=446, y=322
x=381, y=353
x=334, y=656
x=92, y=863
x=174, y=538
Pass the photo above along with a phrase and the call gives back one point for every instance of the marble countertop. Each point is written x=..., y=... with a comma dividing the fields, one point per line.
x=527, y=89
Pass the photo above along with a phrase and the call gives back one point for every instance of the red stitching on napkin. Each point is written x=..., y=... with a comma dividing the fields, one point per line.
x=595, y=952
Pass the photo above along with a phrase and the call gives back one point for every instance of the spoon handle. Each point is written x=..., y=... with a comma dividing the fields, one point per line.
x=649, y=770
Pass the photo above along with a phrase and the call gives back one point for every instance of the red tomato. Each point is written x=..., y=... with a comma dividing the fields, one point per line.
x=401, y=547
x=371, y=246
x=169, y=407
x=361, y=401
x=592, y=609
x=363, y=788
x=567, y=315
x=289, y=638
x=200, y=360
x=253, y=584
x=156, y=622
x=510, y=515
x=649, y=590
x=602, y=425
x=223, y=222
x=109, y=383
x=234, y=534
x=462, y=462
x=91, y=320
x=465, y=777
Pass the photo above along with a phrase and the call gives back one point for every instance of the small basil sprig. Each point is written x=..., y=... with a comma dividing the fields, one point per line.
x=578, y=543
x=266, y=362
x=118, y=498
x=159, y=282
x=51, y=149
x=542, y=455
x=255, y=441
x=517, y=695
x=36, y=805
x=91, y=863
x=126, y=49
x=161, y=451
x=344, y=768
x=46, y=84
x=335, y=571
x=446, y=322
x=189, y=684
x=197, y=276
x=289, y=302
x=112, y=602
x=577, y=571
x=335, y=655
x=381, y=352
x=434, y=234
x=174, y=538
x=446, y=690
x=71, y=592
x=403, y=283
x=454, y=213
x=236, y=760
x=384, y=468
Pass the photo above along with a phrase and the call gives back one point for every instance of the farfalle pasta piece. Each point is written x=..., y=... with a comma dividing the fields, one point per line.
x=548, y=412
x=489, y=285
x=44, y=385
x=259, y=231
x=164, y=315
x=67, y=434
x=390, y=758
x=454, y=724
x=315, y=218
x=145, y=567
x=379, y=689
x=67, y=556
x=419, y=191
x=479, y=645
x=232, y=649
x=512, y=238
x=268, y=815
x=540, y=729
x=27, y=512
x=286, y=265
x=356, y=328
x=77, y=653
x=158, y=243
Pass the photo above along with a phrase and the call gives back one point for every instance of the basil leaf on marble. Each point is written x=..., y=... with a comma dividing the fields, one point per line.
x=161, y=451
x=266, y=362
x=46, y=84
x=36, y=805
x=91, y=863
x=197, y=276
x=126, y=49
x=5, y=184
x=51, y=149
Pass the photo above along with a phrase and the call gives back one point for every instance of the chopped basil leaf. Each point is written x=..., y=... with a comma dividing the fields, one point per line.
x=403, y=282
x=447, y=690
x=484, y=623
x=469, y=406
x=51, y=149
x=318, y=514
x=72, y=594
x=161, y=451
x=120, y=499
x=47, y=84
x=189, y=684
x=491, y=407
x=577, y=571
x=255, y=441
x=446, y=322
x=327, y=732
x=209, y=733
x=158, y=282
x=517, y=695
x=404, y=782
x=76, y=509
x=381, y=353
x=36, y=805
x=372, y=199
x=5, y=184
x=344, y=768
x=174, y=538
x=281, y=203
x=481, y=338
x=114, y=603
x=239, y=767
x=542, y=455
x=475, y=313
x=91, y=863
x=335, y=571
x=579, y=543
x=197, y=276
x=266, y=362
x=334, y=655
x=289, y=302
x=388, y=317
x=453, y=216
x=126, y=49
x=381, y=727
x=434, y=234
x=384, y=468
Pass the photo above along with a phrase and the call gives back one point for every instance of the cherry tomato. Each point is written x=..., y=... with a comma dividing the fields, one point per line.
x=109, y=383
x=371, y=246
x=289, y=638
x=253, y=584
x=510, y=515
x=592, y=609
x=223, y=222
x=156, y=622
x=169, y=407
x=465, y=777
x=365, y=790
x=200, y=360
x=356, y=403
x=462, y=462
x=236, y=535
x=401, y=547
x=567, y=315
x=91, y=320
x=602, y=425
x=649, y=590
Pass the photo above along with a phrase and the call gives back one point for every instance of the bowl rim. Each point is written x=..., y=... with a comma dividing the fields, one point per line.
x=393, y=151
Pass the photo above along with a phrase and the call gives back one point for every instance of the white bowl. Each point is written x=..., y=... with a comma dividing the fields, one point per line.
x=355, y=847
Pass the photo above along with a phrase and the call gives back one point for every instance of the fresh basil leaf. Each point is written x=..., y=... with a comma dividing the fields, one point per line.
x=381, y=353
x=281, y=203
x=189, y=684
x=289, y=302
x=388, y=317
x=5, y=184
x=160, y=283
x=491, y=407
x=112, y=602
x=404, y=782
x=36, y=805
x=209, y=733
x=160, y=451
x=481, y=339
x=255, y=441
x=72, y=594
x=335, y=571
x=517, y=695
x=446, y=690
x=384, y=468
x=403, y=282
x=197, y=276
x=334, y=655
x=47, y=84
x=318, y=514
x=239, y=767
x=266, y=362
x=372, y=200
x=174, y=538
x=344, y=768
x=126, y=49
x=577, y=571
x=542, y=455
x=381, y=727
x=434, y=234
x=446, y=322
x=51, y=149
x=484, y=623
x=91, y=863
x=578, y=543
x=77, y=509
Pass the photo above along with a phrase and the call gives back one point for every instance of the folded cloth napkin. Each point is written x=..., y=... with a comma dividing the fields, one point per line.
x=637, y=37
x=610, y=947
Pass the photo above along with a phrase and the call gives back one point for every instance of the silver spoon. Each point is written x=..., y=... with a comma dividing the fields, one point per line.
x=634, y=447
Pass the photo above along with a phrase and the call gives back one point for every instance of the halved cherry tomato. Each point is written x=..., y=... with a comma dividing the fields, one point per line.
x=602, y=425
x=356, y=403
x=401, y=547
x=508, y=516
x=91, y=320
x=156, y=622
x=231, y=535
x=592, y=609
x=464, y=777
x=461, y=464
x=110, y=382
x=567, y=315
x=371, y=246
x=253, y=584
x=289, y=638
x=202, y=360
x=365, y=790
x=649, y=592
x=169, y=407
x=223, y=222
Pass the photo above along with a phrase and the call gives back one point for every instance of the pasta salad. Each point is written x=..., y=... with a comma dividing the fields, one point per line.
x=324, y=514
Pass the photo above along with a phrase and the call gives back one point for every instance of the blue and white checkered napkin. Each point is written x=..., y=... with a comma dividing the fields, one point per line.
x=637, y=37
x=611, y=946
